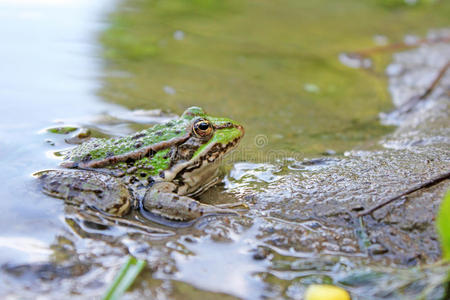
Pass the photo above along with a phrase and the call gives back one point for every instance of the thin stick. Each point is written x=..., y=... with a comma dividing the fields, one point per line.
x=425, y=184
x=399, y=46
x=411, y=103
x=435, y=81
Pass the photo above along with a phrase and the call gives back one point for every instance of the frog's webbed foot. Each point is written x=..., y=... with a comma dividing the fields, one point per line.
x=100, y=191
x=160, y=200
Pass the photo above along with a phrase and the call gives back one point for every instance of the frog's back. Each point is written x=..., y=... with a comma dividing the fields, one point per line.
x=100, y=148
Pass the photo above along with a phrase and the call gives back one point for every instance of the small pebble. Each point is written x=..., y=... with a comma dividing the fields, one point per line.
x=329, y=152
x=330, y=246
x=260, y=254
x=348, y=249
x=377, y=249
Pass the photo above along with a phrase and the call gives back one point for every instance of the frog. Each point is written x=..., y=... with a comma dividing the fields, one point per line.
x=161, y=169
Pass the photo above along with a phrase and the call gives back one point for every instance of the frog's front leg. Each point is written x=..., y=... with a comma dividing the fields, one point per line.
x=162, y=200
x=103, y=192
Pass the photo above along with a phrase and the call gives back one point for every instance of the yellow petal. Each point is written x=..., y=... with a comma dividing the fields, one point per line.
x=326, y=292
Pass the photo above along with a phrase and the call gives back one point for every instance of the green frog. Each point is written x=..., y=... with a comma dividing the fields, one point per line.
x=160, y=168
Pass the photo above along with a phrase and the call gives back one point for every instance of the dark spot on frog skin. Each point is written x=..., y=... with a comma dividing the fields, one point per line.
x=176, y=190
x=186, y=152
x=168, y=154
x=138, y=144
x=136, y=136
x=193, y=206
x=109, y=154
x=73, y=194
x=140, y=186
x=143, y=174
x=150, y=181
x=150, y=153
x=54, y=184
x=99, y=193
x=132, y=180
x=86, y=158
x=162, y=174
x=130, y=161
x=177, y=131
x=159, y=133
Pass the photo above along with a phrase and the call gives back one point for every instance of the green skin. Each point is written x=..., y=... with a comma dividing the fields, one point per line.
x=162, y=167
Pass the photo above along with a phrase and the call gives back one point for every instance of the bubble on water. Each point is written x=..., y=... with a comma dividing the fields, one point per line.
x=380, y=40
x=169, y=90
x=410, y=39
x=178, y=35
x=311, y=88
x=355, y=61
x=411, y=2
x=394, y=69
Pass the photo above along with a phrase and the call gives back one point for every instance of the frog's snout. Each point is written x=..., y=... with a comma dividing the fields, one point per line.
x=241, y=129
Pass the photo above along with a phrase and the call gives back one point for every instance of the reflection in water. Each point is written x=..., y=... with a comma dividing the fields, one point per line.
x=48, y=71
x=222, y=267
x=24, y=248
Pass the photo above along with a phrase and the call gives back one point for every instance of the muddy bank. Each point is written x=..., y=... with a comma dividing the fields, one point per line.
x=418, y=151
x=315, y=208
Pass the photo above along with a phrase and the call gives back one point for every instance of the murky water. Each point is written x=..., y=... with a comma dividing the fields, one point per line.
x=272, y=65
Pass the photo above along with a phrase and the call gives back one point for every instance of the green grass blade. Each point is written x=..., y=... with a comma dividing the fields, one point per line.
x=443, y=226
x=125, y=278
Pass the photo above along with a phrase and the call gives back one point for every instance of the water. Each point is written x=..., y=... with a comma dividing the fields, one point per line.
x=274, y=66
x=50, y=71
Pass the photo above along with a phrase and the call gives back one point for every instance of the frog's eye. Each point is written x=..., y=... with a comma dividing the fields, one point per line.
x=202, y=128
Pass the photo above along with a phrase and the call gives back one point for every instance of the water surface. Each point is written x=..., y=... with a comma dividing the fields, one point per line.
x=272, y=65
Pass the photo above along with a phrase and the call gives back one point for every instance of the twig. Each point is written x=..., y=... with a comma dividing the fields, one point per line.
x=398, y=46
x=435, y=81
x=425, y=184
x=411, y=103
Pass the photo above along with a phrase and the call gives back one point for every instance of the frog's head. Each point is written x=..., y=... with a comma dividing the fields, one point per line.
x=195, y=163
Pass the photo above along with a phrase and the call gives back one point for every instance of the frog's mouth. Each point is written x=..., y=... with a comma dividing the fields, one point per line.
x=201, y=170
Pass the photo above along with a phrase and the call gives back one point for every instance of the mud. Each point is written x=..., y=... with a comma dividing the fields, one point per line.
x=402, y=233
